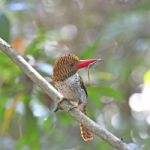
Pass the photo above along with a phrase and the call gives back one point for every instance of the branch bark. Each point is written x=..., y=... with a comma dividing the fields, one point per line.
x=57, y=97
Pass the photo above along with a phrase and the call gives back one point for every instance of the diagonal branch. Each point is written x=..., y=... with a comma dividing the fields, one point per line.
x=57, y=97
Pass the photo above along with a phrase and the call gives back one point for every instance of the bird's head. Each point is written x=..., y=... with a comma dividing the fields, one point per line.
x=67, y=65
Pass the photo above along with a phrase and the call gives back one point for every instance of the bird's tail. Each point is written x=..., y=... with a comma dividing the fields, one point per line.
x=85, y=133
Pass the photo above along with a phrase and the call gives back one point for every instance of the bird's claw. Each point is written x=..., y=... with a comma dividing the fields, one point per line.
x=70, y=109
x=58, y=105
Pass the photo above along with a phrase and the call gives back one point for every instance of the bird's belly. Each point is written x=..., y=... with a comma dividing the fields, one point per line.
x=72, y=91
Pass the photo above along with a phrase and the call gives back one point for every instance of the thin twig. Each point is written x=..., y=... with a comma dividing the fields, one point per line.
x=57, y=97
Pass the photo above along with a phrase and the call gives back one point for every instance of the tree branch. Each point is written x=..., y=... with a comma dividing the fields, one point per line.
x=57, y=97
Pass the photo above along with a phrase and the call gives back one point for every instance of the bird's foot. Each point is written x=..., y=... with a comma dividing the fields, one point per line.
x=58, y=107
x=74, y=104
x=70, y=109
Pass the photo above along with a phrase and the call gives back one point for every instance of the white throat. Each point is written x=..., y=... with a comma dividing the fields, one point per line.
x=74, y=78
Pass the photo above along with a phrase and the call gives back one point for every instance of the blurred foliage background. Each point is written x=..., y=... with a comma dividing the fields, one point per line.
x=119, y=96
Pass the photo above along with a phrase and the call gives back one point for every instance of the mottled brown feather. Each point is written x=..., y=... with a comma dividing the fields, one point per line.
x=64, y=67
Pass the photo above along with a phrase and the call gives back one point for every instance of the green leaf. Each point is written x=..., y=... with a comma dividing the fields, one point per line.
x=90, y=50
x=108, y=91
x=4, y=27
x=47, y=123
x=34, y=48
x=96, y=92
x=103, y=145
x=94, y=95
x=30, y=136
x=65, y=119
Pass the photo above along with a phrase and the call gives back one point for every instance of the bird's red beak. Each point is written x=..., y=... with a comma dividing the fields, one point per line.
x=86, y=63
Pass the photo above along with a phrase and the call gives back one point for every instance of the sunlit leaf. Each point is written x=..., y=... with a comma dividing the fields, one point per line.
x=147, y=78
x=9, y=114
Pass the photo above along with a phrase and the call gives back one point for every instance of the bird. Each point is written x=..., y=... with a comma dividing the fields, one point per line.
x=69, y=83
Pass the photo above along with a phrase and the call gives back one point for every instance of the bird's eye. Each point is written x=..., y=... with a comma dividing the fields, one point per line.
x=71, y=64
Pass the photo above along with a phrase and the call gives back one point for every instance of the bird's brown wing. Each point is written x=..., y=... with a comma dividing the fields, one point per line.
x=83, y=86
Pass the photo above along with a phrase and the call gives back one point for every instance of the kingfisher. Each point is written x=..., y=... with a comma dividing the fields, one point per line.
x=69, y=83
